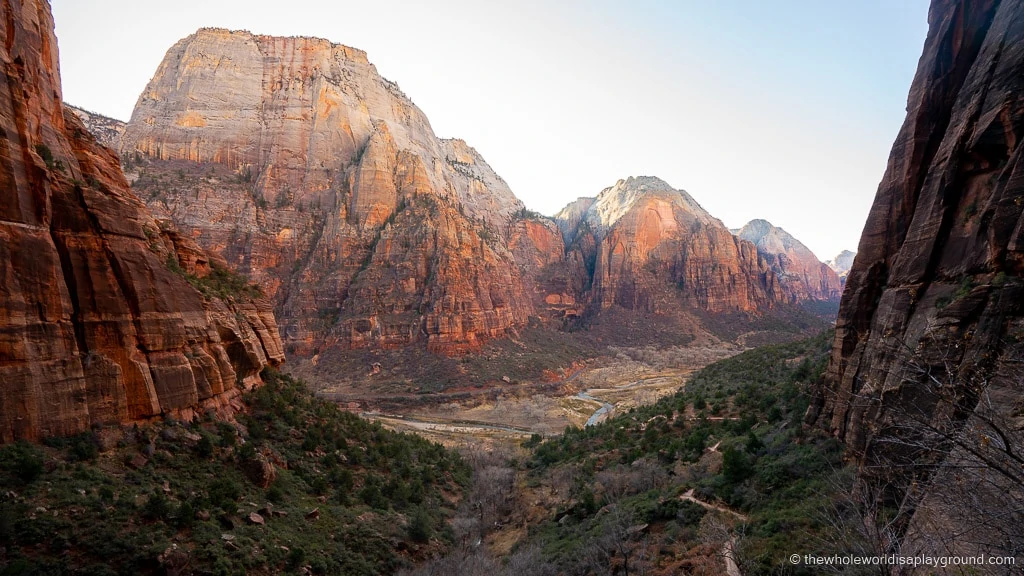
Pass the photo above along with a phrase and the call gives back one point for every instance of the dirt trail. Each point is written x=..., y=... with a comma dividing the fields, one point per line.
x=731, y=568
x=689, y=497
x=728, y=550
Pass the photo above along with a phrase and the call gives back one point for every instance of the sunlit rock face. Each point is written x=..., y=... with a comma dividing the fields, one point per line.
x=802, y=276
x=364, y=227
x=100, y=324
x=648, y=244
x=107, y=131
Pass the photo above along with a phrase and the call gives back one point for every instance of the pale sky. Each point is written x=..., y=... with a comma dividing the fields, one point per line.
x=783, y=110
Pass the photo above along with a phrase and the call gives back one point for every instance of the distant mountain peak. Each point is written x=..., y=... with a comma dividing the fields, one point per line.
x=772, y=238
x=616, y=201
x=792, y=261
x=842, y=263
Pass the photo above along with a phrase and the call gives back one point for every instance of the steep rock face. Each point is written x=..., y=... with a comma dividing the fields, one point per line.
x=569, y=218
x=107, y=130
x=97, y=328
x=309, y=159
x=802, y=276
x=432, y=277
x=926, y=361
x=558, y=279
x=652, y=244
x=842, y=263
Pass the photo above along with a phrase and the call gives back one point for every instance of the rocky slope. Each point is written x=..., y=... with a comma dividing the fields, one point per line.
x=648, y=244
x=100, y=322
x=107, y=130
x=842, y=263
x=924, y=381
x=324, y=183
x=799, y=271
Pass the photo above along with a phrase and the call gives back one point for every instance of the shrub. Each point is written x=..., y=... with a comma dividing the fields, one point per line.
x=157, y=507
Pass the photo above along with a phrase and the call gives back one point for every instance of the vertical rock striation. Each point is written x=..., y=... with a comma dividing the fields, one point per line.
x=926, y=360
x=96, y=324
x=365, y=227
x=648, y=244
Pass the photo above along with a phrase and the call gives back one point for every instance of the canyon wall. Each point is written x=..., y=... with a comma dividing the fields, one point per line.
x=333, y=193
x=295, y=161
x=650, y=245
x=100, y=323
x=924, y=383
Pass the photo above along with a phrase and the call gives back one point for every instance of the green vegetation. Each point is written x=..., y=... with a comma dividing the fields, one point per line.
x=152, y=499
x=733, y=437
x=222, y=283
x=524, y=214
x=47, y=155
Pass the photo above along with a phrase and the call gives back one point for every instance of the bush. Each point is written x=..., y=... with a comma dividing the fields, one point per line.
x=205, y=447
x=83, y=447
x=224, y=492
x=157, y=507
x=185, y=516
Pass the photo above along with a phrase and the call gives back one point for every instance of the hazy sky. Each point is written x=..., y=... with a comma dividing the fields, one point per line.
x=783, y=109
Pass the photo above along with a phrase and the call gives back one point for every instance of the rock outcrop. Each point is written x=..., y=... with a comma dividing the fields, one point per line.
x=325, y=184
x=842, y=263
x=107, y=130
x=802, y=276
x=100, y=323
x=924, y=381
x=647, y=245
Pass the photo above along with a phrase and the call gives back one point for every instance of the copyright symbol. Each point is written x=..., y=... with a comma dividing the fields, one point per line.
x=794, y=559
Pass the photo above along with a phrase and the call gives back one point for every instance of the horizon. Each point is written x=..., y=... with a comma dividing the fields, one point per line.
x=766, y=99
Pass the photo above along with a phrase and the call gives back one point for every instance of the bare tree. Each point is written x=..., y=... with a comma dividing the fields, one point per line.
x=617, y=546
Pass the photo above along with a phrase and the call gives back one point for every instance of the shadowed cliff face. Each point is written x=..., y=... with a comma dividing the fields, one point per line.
x=95, y=326
x=928, y=340
x=364, y=227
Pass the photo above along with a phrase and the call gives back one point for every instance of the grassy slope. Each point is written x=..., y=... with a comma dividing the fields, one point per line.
x=382, y=497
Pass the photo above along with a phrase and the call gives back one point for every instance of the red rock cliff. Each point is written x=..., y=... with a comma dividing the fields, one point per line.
x=928, y=346
x=95, y=327
x=651, y=244
x=334, y=194
x=801, y=275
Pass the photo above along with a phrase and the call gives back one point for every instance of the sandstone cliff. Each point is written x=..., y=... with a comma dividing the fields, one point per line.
x=100, y=322
x=325, y=184
x=649, y=244
x=802, y=276
x=558, y=281
x=924, y=381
